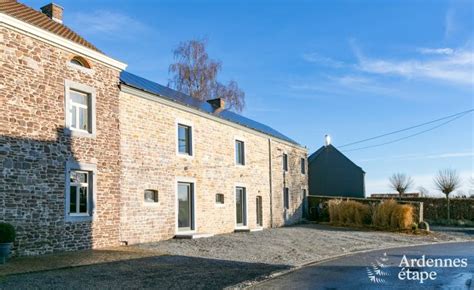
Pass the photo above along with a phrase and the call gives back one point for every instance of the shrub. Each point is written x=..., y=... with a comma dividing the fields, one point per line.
x=383, y=213
x=349, y=212
x=7, y=233
x=402, y=217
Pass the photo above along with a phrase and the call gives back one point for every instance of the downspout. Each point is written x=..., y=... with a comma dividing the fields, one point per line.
x=270, y=179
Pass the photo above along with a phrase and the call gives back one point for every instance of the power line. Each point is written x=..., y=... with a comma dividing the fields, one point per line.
x=412, y=135
x=409, y=128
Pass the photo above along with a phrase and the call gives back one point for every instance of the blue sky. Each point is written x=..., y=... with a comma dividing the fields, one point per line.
x=352, y=69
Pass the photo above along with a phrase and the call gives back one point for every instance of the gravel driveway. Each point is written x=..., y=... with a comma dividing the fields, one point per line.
x=295, y=245
x=220, y=261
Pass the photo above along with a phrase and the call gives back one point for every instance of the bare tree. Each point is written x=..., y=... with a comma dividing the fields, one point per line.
x=446, y=181
x=401, y=183
x=195, y=74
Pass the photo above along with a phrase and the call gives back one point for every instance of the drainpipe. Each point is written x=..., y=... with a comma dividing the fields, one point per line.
x=270, y=179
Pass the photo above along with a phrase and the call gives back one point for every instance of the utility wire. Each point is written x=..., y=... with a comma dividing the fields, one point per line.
x=412, y=135
x=409, y=128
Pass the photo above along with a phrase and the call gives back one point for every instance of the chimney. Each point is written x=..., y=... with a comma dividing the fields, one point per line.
x=327, y=140
x=217, y=104
x=53, y=11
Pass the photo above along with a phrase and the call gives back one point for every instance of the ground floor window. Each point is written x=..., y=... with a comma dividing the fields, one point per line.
x=185, y=206
x=80, y=188
x=286, y=198
x=241, y=206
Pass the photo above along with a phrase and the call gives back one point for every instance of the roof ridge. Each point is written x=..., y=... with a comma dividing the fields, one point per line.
x=36, y=18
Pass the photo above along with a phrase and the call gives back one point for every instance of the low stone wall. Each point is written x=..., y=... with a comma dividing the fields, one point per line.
x=437, y=208
x=318, y=206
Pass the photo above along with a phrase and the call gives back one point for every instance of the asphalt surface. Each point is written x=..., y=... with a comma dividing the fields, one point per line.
x=381, y=270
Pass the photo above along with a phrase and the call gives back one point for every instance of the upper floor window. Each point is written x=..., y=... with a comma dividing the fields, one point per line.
x=285, y=162
x=239, y=152
x=80, y=109
x=184, y=139
x=303, y=166
x=80, y=61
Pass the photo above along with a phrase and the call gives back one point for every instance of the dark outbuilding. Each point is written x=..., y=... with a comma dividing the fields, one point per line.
x=332, y=173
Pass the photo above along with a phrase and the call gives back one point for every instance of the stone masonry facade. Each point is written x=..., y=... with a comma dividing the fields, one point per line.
x=35, y=147
x=133, y=148
x=150, y=161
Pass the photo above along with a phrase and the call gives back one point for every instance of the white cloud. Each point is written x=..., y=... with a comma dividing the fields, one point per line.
x=315, y=57
x=446, y=50
x=106, y=22
x=456, y=67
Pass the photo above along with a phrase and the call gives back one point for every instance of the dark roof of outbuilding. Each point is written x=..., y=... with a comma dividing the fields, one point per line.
x=38, y=19
x=170, y=94
x=318, y=153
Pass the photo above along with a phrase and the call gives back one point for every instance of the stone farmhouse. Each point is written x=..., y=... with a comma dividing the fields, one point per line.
x=94, y=156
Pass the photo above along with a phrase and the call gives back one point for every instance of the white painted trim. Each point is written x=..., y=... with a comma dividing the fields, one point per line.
x=164, y=101
x=194, y=217
x=242, y=139
x=73, y=165
x=68, y=85
x=246, y=219
x=180, y=121
x=51, y=38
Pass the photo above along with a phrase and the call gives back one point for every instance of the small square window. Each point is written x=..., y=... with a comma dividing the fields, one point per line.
x=219, y=198
x=151, y=195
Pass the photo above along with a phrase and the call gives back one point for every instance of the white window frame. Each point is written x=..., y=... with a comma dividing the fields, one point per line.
x=91, y=92
x=240, y=139
x=92, y=187
x=191, y=127
x=217, y=203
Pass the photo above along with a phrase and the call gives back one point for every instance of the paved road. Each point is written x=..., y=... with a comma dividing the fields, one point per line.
x=361, y=271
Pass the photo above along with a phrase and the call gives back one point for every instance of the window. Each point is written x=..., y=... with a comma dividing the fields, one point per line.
x=285, y=162
x=80, y=187
x=80, y=61
x=239, y=152
x=286, y=198
x=219, y=198
x=80, y=109
x=184, y=140
x=151, y=195
x=303, y=166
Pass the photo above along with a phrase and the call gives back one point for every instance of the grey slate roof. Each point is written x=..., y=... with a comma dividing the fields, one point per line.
x=330, y=147
x=140, y=83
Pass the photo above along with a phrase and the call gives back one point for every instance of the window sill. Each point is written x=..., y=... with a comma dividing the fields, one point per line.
x=78, y=218
x=184, y=155
x=220, y=205
x=240, y=165
x=151, y=204
x=79, y=133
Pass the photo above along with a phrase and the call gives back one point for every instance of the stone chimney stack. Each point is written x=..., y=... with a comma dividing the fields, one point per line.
x=217, y=104
x=53, y=11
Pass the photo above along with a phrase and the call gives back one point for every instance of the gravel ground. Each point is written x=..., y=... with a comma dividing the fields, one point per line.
x=294, y=246
x=221, y=261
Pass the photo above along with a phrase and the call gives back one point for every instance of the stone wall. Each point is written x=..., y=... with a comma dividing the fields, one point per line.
x=34, y=148
x=150, y=161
